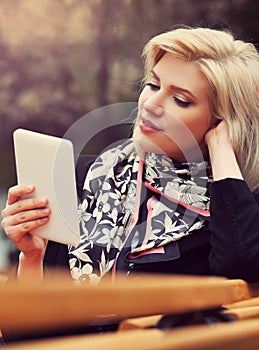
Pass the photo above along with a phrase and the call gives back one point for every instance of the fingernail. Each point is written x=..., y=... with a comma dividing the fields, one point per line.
x=42, y=201
x=29, y=188
x=43, y=219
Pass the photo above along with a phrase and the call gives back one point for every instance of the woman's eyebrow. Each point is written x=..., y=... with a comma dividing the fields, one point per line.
x=174, y=87
x=155, y=75
x=178, y=88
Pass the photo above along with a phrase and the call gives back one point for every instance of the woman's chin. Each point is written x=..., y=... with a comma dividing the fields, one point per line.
x=161, y=144
x=145, y=144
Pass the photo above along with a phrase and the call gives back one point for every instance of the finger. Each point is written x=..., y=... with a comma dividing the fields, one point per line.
x=22, y=205
x=17, y=191
x=16, y=233
x=29, y=215
x=24, y=217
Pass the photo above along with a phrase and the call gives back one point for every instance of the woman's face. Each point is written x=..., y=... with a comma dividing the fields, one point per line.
x=173, y=110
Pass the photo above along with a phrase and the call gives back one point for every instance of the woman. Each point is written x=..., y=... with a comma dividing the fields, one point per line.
x=180, y=197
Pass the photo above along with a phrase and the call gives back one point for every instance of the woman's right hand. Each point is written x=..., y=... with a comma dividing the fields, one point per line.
x=20, y=217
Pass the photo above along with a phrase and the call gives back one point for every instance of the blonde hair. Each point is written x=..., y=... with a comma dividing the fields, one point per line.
x=231, y=68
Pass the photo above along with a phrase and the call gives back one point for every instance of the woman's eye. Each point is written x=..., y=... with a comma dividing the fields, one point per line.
x=181, y=102
x=153, y=86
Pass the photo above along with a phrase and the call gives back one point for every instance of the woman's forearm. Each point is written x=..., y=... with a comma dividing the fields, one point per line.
x=234, y=223
x=224, y=163
x=30, y=267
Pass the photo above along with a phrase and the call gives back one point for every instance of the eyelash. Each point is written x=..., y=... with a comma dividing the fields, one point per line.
x=180, y=102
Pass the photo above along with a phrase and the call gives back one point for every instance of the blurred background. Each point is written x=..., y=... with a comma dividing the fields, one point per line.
x=61, y=59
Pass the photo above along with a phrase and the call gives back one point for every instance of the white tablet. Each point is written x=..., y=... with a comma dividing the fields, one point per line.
x=47, y=162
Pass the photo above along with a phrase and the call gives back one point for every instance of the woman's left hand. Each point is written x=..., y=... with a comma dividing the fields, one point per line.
x=218, y=136
x=222, y=155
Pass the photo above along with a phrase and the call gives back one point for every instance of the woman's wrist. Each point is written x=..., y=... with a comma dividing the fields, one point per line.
x=30, y=265
x=223, y=162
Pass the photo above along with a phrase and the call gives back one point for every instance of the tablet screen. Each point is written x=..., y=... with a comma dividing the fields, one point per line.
x=47, y=162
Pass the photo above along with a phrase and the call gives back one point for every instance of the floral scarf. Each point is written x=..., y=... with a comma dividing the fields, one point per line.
x=138, y=207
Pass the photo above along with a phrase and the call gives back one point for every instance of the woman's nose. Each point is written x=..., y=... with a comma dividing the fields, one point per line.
x=153, y=108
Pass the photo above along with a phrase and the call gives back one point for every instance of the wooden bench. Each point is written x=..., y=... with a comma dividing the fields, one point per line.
x=31, y=306
x=241, y=335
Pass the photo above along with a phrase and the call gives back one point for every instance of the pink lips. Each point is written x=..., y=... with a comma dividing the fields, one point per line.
x=146, y=125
